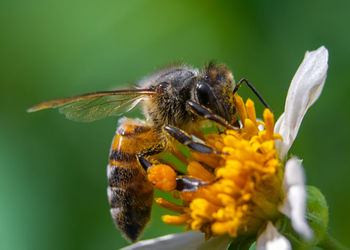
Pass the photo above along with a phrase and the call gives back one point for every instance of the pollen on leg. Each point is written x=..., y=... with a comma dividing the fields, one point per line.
x=162, y=177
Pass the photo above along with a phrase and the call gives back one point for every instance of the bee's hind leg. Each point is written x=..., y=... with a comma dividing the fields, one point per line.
x=201, y=111
x=183, y=183
x=188, y=184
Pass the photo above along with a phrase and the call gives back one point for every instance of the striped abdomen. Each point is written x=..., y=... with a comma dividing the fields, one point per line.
x=130, y=195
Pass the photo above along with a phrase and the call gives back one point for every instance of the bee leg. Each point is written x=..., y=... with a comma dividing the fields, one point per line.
x=188, y=184
x=201, y=111
x=156, y=149
x=183, y=183
x=186, y=140
x=145, y=164
x=243, y=80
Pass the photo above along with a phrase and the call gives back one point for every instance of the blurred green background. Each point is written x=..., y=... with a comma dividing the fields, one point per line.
x=53, y=171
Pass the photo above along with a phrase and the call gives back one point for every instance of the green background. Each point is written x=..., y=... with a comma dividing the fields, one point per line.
x=53, y=171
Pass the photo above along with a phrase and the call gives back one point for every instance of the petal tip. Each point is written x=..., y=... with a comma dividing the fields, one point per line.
x=321, y=50
x=321, y=54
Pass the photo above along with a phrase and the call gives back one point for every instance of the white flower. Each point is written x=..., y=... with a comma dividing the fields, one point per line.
x=304, y=90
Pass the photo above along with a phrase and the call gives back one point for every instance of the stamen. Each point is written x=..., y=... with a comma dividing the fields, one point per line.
x=209, y=160
x=269, y=123
x=250, y=110
x=241, y=108
x=196, y=170
x=169, y=205
x=180, y=220
x=225, y=227
x=250, y=128
x=202, y=209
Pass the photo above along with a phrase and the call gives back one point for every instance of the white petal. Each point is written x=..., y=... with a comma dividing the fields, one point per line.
x=293, y=173
x=294, y=205
x=187, y=241
x=216, y=243
x=304, y=90
x=270, y=239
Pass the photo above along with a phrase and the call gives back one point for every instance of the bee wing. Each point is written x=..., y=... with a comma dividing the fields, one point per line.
x=94, y=106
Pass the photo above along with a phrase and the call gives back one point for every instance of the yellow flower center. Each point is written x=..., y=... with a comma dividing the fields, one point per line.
x=244, y=183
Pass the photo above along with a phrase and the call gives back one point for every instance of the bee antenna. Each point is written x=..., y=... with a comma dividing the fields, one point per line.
x=243, y=80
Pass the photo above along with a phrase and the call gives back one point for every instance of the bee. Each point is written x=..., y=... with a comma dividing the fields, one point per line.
x=174, y=101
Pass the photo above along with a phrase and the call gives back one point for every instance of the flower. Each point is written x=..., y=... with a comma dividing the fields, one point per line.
x=251, y=183
x=245, y=183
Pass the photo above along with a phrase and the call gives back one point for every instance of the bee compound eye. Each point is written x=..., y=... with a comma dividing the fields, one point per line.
x=162, y=86
x=204, y=94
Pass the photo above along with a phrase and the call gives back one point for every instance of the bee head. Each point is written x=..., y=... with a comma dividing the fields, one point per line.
x=174, y=87
x=214, y=90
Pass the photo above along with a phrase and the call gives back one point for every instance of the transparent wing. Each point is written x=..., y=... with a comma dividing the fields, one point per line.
x=95, y=106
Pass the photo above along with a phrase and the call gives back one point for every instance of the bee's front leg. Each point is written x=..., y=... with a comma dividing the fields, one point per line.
x=186, y=140
x=201, y=111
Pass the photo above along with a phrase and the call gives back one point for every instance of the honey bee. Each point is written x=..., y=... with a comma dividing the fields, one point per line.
x=174, y=102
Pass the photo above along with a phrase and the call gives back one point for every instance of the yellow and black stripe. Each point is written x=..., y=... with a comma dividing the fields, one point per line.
x=130, y=194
